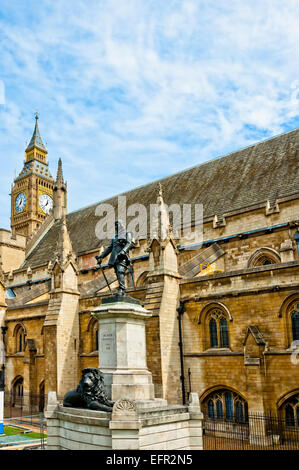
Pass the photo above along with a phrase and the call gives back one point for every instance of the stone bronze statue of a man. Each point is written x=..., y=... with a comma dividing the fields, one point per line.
x=119, y=259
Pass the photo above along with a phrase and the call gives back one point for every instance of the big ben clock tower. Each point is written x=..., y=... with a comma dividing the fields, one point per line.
x=32, y=191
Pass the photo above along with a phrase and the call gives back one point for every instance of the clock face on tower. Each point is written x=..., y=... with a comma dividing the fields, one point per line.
x=20, y=202
x=46, y=203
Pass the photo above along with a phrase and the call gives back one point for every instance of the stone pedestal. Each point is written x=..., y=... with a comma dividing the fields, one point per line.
x=128, y=427
x=122, y=349
x=138, y=420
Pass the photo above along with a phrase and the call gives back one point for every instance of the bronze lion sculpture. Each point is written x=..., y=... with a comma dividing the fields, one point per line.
x=90, y=392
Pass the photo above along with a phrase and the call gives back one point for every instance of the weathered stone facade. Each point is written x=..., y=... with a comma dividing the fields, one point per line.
x=238, y=323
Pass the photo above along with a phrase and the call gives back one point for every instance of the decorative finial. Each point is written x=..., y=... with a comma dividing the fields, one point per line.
x=36, y=115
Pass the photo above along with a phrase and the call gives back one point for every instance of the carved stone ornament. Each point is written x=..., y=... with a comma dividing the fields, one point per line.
x=124, y=406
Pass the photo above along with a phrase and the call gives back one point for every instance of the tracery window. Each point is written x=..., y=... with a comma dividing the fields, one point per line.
x=289, y=312
x=296, y=238
x=295, y=323
x=290, y=411
x=263, y=256
x=218, y=328
x=267, y=261
x=211, y=409
x=227, y=405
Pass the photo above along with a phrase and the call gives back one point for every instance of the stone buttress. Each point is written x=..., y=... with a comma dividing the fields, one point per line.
x=61, y=327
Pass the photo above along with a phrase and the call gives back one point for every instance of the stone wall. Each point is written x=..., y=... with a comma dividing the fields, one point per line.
x=72, y=429
x=271, y=375
x=12, y=250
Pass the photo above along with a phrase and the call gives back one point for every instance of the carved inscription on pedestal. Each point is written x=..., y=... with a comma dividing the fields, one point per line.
x=107, y=347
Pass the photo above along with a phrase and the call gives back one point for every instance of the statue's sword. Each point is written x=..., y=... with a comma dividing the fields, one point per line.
x=102, y=269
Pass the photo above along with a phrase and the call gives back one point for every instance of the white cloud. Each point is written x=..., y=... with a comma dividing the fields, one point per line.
x=137, y=90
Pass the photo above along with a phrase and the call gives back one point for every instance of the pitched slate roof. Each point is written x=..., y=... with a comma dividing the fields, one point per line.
x=266, y=171
x=23, y=295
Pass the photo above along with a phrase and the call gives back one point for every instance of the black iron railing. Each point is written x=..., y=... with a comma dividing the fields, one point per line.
x=259, y=431
x=26, y=404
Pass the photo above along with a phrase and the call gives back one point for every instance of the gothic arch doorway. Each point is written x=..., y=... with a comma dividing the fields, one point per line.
x=17, y=391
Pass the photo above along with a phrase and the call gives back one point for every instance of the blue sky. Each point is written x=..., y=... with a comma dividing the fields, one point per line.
x=129, y=91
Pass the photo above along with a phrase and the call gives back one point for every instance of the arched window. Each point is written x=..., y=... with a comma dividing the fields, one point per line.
x=211, y=413
x=92, y=343
x=20, y=341
x=219, y=409
x=239, y=412
x=218, y=328
x=295, y=325
x=94, y=336
x=213, y=333
x=289, y=415
x=226, y=405
x=223, y=332
x=229, y=406
x=263, y=256
x=267, y=261
x=290, y=411
x=289, y=312
x=296, y=238
x=17, y=391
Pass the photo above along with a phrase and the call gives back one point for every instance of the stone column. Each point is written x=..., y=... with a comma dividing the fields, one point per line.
x=61, y=325
x=122, y=350
x=30, y=386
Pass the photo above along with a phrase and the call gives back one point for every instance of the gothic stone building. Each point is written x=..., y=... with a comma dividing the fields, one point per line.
x=225, y=313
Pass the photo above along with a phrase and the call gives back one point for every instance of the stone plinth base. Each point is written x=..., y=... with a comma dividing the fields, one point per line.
x=131, y=425
x=122, y=350
x=120, y=299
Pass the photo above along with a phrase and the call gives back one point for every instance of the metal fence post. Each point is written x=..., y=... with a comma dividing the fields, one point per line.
x=42, y=440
